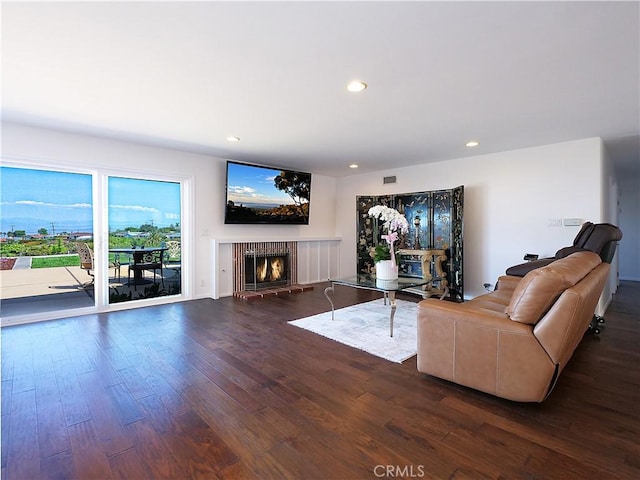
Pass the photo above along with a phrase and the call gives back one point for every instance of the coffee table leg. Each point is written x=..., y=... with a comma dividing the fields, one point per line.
x=326, y=294
x=392, y=302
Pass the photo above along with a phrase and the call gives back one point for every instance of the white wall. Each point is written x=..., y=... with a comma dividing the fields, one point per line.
x=609, y=211
x=510, y=198
x=629, y=248
x=47, y=147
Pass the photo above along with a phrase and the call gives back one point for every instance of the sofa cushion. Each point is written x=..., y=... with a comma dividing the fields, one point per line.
x=534, y=295
x=576, y=266
x=540, y=288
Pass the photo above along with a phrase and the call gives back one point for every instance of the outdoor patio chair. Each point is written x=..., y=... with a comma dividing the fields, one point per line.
x=149, y=260
x=86, y=261
x=116, y=264
x=173, y=256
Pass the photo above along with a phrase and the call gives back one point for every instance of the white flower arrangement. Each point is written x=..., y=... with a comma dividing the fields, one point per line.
x=393, y=222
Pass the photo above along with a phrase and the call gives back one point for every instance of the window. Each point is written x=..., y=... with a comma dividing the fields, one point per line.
x=46, y=217
x=144, y=239
x=74, y=242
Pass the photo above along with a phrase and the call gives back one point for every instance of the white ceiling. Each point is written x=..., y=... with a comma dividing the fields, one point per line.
x=187, y=75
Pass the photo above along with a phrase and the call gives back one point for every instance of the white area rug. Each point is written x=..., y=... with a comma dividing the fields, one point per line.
x=366, y=326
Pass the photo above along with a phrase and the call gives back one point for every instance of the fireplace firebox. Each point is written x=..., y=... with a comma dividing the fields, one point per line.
x=261, y=267
x=265, y=270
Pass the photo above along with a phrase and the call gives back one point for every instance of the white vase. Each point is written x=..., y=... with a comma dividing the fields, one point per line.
x=385, y=270
x=387, y=284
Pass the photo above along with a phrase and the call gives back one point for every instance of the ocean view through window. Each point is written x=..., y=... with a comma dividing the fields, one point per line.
x=43, y=215
x=54, y=256
x=38, y=200
x=144, y=238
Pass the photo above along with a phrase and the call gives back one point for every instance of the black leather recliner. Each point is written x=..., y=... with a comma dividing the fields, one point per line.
x=600, y=238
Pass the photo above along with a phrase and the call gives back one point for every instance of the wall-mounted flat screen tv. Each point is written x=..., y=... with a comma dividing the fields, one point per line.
x=266, y=195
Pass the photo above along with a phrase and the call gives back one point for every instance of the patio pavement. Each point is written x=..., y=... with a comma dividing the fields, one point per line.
x=37, y=290
x=22, y=263
x=28, y=282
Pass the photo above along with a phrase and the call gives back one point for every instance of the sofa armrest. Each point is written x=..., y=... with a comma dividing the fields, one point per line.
x=561, y=329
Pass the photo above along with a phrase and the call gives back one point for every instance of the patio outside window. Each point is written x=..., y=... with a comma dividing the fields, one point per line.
x=44, y=215
x=51, y=246
x=144, y=239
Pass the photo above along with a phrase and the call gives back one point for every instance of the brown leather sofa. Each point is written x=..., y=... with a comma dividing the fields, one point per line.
x=514, y=341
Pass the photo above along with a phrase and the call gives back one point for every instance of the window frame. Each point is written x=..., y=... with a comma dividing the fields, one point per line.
x=100, y=176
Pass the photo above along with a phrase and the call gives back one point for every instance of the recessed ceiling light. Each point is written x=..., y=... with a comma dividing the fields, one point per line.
x=356, y=86
x=353, y=165
x=472, y=143
x=233, y=139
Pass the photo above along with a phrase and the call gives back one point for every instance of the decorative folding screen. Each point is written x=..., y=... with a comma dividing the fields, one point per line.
x=435, y=222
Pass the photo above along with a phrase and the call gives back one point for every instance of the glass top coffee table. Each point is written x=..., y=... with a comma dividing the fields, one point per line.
x=370, y=282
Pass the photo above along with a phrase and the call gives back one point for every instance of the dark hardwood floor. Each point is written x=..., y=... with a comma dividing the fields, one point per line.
x=226, y=389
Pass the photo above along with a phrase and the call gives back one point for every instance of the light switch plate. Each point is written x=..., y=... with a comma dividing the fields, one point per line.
x=572, y=222
x=554, y=222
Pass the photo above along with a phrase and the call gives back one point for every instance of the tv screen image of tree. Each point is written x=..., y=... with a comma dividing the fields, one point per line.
x=257, y=194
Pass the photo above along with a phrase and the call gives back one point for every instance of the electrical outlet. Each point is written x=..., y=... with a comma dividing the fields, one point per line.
x=203, y=283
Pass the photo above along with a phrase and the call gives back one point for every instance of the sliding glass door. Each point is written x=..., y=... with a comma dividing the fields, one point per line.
x=46, y=241
x=145, y=240
x=76, y=242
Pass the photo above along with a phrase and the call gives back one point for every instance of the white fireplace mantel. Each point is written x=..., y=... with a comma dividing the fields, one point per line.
x=275, y=239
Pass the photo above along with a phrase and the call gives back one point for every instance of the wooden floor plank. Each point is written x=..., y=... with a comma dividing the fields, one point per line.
x=58, y=466
x=52, y=431
x=89, y=459
x=161, y=456
x=226, y=389
x=129, y=464
x=124, y=404
x=23, y=451
x=104, y=414
x=209, y=450
x=71, y=398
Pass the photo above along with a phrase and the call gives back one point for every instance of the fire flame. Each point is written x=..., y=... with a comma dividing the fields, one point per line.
x=261, y=271
x=270, y=269
x=277, y=267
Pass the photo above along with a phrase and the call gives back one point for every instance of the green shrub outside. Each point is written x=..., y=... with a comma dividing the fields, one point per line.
x=35, y=248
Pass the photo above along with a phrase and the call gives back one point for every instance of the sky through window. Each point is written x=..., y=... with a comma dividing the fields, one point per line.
x=62, y=202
